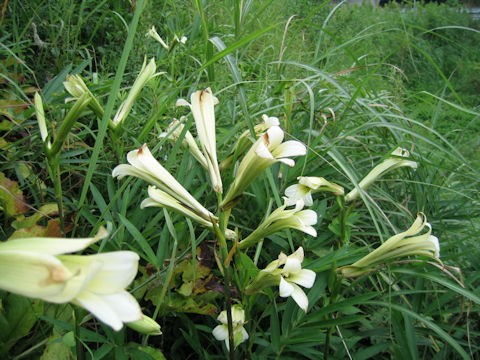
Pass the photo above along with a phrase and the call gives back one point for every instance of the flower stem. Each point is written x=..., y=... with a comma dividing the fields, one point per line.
x=53, y=166
x=223, y=221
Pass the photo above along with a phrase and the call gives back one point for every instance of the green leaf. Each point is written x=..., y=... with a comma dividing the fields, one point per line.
x=430, y=324
x=17, y=318
x=237, y=44
x=11, y=197
x=455, y=287
x=137, y=235
x=57, y=350
x=144, y=352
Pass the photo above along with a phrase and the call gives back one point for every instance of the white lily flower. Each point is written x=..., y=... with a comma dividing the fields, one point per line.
x=144, y=166
x=183, y=39
x=400, y=245
x=202, y=106
x=281, y=219
x=381, y=169
x=293, y=275
x=152, y=32
x=266, y=151
x=162, y=199
x=287, y=278
x=146, y=74
x=243, y=142
x=77, y=87
x=173, y=133
x=220, y=332
x=306, y=186
x=35, y=267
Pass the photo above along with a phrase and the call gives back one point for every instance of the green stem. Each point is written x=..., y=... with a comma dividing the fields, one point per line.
x=116, y=143
x=53, y=166
x=229, y=313
x=222, y=218
x=68, y=122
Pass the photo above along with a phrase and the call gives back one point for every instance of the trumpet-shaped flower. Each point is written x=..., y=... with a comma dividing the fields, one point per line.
x=146, y=74
x=280, y=219
x=202, y=106
x=287, y=278
x=174, y=132
x=398, y=160
x=407, y=243
x=267, y=150
x=77, y=87
x=35, y=267
x=144, y=166
x=239, y=333
x=243, y=142
x=152, y=32
x=306, y=186
x=160, y=198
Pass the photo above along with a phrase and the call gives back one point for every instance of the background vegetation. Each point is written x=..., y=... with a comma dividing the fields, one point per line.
x=351, y=82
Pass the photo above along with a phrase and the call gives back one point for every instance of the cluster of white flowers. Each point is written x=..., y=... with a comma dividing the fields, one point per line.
x=98, y=282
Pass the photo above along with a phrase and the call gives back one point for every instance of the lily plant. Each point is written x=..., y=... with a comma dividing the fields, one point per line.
x=202, y=106
x=398, y=158
x=407, y=243
x=174, y=133
x=266, y=151
x=220, y=332
x=307, y=185
x=38, y=268
x=287, y=278
x=282, y=218
x=144, y=166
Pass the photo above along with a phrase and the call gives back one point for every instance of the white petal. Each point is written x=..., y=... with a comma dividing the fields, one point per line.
x=308, y=217
x=298, y=254
x=182, y=102
x=262, y=150
x=304, y=277
x=286, y=289
x=220, y=332
x=32, y=274
x=83, y=275
x=289, y=148
x=288, y=162
x=308, y=230
x=222, y=317
x=238, y=315
x=292, y=265
x=308, y=201
x=300, y=298
x=274, y=137
x=270, y=120
x=118, y=270
x=113, y=309
x=244, y=334
x=52, y=246
x=295, y=191
x=436, y=244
